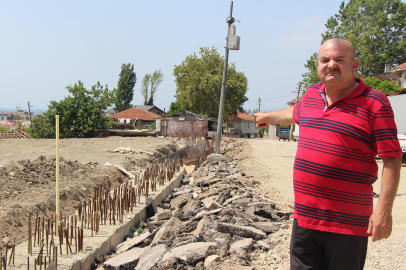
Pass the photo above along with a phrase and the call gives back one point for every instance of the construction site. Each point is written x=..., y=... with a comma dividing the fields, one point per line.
x=157, y=203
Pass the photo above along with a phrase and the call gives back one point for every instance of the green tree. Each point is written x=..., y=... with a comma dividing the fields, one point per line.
x=310, y=77
x=383, y=86
x=198, y=80
x=175, y=107
x=376, y=28
x=149, y=86
x=125, y=88
x=80, y=114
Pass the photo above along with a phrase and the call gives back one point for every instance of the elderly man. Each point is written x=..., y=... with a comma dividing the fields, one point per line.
x=344, y=124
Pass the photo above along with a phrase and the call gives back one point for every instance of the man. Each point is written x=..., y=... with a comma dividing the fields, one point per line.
x=344, y=124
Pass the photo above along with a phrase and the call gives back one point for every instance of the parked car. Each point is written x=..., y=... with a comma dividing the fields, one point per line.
x=284, y=133
x=296, y=133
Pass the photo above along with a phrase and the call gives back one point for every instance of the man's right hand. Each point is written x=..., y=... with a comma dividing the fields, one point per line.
x=261, y=119
x=284, y=116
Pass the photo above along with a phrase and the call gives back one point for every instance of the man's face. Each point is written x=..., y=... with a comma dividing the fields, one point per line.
x=336, y=64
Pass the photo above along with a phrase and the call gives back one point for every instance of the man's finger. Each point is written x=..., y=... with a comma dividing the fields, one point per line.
x=376, y=233
x=370, y=226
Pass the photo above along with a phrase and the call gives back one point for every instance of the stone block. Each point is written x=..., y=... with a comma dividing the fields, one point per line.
x=131, y=242
x=125, y=260
x=152, y=257
x=191, y=253
x=243, y=231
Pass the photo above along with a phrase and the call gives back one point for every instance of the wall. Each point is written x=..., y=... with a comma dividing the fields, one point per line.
x=398, y=103
x=251, y=129
x=177, y=128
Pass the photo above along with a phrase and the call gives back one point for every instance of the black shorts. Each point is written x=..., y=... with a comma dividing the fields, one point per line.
x=313, y=249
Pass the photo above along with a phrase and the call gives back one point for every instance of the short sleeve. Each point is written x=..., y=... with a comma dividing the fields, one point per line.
x=296, y=112
x=384, y=133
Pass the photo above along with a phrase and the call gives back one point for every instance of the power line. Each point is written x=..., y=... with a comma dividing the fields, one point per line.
x=279, y=97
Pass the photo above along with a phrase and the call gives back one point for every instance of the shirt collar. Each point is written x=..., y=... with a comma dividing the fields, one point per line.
x=356, y=92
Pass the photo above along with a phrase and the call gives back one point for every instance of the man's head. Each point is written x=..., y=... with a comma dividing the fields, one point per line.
x=337, y=66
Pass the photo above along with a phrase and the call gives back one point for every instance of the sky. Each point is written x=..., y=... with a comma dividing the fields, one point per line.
x=48, y=45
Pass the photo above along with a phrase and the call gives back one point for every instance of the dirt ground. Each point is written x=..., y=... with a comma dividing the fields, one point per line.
x=27, y=175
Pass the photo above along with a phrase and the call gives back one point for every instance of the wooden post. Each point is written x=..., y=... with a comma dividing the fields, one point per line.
x=57, y=169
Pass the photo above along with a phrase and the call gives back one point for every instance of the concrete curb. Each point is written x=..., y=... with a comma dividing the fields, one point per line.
x=108, y=237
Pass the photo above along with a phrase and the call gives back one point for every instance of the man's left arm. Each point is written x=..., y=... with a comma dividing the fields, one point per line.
x=380, y=223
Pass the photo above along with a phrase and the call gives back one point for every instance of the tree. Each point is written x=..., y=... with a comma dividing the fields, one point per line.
x=80, y=114
x=376, y=28
x=175, y=107
x=383, y=86
x=198, y=80
x=310, y=77
x=149, y=86
x=125, y=88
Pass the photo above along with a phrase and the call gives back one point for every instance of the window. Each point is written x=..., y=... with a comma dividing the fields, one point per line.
x=246, y=125
x=231, y=125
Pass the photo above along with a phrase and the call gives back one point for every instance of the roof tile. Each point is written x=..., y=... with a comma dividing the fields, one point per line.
x=136, y=113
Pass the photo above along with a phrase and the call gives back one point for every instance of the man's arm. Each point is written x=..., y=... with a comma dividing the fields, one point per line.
x=380, y=223
x=284, y=117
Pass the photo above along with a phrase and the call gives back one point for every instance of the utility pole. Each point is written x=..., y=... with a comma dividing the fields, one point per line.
x=229, y=20
x=29, y=111
x=259, y=104
x=297, y=100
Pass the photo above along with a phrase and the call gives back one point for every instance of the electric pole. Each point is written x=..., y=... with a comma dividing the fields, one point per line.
x=259, y=104
x=29, y=111
x=297, y=100
x=233, y=43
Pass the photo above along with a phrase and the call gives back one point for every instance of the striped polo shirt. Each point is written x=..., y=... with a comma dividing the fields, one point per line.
x=335, y=164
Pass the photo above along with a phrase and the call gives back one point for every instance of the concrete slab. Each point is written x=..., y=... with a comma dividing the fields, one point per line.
x=212, y=158
x=131, y=242
x=129, y=257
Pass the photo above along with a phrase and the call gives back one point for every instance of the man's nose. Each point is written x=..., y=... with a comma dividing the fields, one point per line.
x=332, y=64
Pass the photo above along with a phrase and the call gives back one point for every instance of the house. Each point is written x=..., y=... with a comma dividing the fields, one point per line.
x=241, y=126
x=3, y=116
x=394, y=74
x=136, y=117
x=151, y=108
x=272, y=132
x=184, y=124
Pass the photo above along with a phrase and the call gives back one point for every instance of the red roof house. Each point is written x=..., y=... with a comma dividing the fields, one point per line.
x=136, y=116
x=241, y=126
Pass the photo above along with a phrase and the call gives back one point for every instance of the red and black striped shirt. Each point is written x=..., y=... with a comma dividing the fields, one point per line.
x=335, y=161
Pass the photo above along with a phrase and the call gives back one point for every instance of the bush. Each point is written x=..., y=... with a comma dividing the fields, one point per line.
x=383, y=86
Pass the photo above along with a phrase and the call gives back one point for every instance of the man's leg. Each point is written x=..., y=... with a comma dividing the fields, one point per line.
x=344, y=251
x=305, y=252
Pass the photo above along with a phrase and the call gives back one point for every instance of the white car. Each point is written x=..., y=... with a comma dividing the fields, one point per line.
x=295, y=134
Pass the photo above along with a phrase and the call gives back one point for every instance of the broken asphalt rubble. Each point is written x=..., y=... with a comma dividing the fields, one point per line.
x=207, y=223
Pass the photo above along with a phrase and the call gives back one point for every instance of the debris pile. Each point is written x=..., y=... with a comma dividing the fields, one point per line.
x=210, y=222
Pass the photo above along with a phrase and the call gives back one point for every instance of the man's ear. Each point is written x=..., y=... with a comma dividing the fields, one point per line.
x=355, y=66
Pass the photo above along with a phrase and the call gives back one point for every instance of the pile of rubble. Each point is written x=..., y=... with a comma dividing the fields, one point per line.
x=211, y=222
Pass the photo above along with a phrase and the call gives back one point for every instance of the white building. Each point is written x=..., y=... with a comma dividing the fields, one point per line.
x=241, y=126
